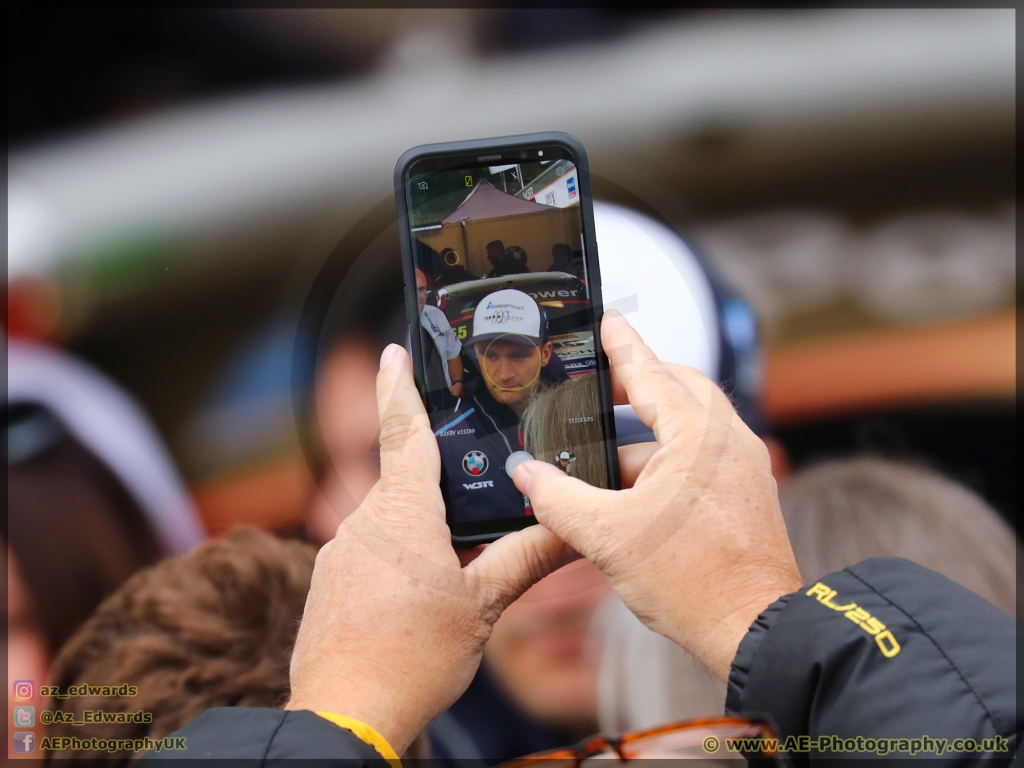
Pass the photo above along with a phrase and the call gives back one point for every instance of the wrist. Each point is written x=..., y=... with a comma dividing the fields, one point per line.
x=367, y=734
x=397, y=734
x=733, y=628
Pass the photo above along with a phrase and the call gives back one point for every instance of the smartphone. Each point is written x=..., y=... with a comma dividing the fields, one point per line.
x=503, y=294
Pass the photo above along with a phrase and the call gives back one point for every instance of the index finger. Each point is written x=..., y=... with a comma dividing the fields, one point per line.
x=699, y=385
x=657, y=397
x=408, y=450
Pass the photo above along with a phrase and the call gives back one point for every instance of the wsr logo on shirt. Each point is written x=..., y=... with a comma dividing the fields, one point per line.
x=478, y=485
x=475, y=463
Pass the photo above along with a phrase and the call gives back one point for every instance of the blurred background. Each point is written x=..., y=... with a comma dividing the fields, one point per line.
x=203, y=267
x=177, y=178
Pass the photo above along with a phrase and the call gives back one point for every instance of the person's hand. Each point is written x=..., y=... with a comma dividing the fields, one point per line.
x=394, y=628
x=456, y=389
x=697, y=548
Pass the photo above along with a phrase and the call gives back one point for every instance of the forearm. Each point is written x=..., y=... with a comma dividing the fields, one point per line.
x=884, y=649
x=455, y=369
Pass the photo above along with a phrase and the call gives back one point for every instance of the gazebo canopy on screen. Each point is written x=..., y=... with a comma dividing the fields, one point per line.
x=489, y=214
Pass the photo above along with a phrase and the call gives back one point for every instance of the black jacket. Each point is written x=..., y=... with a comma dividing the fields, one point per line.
x=821, y=663
x=488, y=431
x=884, y=649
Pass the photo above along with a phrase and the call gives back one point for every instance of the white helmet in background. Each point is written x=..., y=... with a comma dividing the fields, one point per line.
x=651, y=275
x=112, y=426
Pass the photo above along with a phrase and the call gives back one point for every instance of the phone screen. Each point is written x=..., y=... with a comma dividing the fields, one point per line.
x=506, y=328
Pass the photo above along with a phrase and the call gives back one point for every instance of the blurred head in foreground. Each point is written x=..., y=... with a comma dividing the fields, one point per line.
x=213, y=628
x=366, y=314
x=541, y=655
x=837, y=513
x=346, y=398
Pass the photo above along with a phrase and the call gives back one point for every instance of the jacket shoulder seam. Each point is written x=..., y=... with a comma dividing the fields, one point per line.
x=935, y=643
x=270, y=741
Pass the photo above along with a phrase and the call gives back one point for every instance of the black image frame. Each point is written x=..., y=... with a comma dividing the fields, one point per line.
x=464, y=154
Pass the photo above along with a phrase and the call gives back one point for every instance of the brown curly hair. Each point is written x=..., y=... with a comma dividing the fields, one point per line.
x=213, y=628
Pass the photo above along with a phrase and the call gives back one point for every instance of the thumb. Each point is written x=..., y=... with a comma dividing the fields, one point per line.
x=564, y=505
x=408, y=451
x=516, y=562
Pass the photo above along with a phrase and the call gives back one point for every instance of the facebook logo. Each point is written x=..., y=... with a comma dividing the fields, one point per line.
x=24, y=741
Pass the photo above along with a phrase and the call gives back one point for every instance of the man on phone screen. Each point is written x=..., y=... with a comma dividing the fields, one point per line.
x=512, y=350
x=495, y=251
x=437, y=327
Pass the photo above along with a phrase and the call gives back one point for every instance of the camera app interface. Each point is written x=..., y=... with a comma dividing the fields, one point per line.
x=506, y=330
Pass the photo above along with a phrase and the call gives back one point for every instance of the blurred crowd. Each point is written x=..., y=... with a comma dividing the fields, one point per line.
x=94, y=498
x=165, y=503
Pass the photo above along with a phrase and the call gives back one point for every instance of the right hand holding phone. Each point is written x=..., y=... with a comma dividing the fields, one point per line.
x=697, y=547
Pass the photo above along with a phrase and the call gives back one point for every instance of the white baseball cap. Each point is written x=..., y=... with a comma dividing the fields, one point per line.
x=510, y=314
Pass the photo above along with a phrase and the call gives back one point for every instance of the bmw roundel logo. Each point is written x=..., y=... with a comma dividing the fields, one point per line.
x=475, y=463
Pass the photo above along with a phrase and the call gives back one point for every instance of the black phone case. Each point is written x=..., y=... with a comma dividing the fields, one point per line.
x=470, y=151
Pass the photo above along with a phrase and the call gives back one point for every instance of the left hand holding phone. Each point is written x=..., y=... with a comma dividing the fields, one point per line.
x=394, y=627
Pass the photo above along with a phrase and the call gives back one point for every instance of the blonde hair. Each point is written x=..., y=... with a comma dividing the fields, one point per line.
x=548, y=428
x=837, y=514
x=841, y=512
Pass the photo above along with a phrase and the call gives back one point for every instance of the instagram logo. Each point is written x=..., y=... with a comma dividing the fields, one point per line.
x=24, y=690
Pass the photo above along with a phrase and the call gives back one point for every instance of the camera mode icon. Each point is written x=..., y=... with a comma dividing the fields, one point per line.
x=24, y=717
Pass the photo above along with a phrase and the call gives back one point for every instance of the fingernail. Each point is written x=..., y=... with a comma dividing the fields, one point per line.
x=388, y=356
x=522, y=478
x=614, y=316
x=525, y=472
